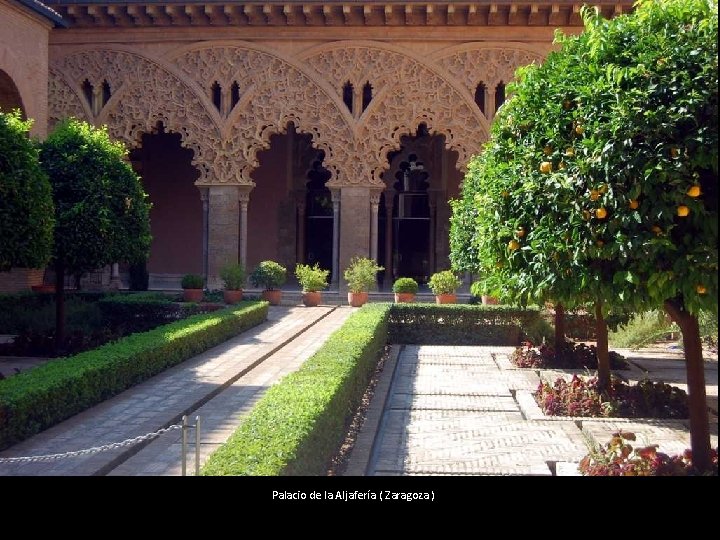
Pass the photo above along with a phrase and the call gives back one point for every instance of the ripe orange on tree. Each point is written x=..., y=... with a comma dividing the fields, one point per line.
x=601, y=213
x=683, y=210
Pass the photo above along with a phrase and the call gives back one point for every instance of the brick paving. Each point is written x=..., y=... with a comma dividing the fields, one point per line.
x=469, y=411
x=213, y=377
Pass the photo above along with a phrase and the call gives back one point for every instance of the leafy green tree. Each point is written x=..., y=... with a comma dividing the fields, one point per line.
x=26, y=207
x=101, y=210
x=600, y=181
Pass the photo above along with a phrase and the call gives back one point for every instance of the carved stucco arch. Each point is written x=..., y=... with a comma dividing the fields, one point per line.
x=490, y=63
x=274, y=91
x=409, y=91
x=144, y=92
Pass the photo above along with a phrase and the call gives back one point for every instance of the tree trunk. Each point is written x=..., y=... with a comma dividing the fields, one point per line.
x=603, y=356
x=699, y=422
x=559, y=326
x=59, y=306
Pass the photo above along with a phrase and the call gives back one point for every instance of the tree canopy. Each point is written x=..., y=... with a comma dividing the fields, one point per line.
x=26, y=207
x=599, y=183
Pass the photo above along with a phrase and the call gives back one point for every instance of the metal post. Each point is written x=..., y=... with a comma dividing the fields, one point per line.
x=197, y=446
x=183, y=451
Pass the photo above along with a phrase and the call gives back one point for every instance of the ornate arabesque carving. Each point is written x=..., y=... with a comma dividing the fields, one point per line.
x=408, y=93
x=63, y=102
x=277, y=93
x=490, y=65
x=274, y=91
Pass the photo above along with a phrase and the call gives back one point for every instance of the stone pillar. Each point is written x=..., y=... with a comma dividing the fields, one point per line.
x=205, y=229
x=115, y=276
x=244, y=199
x=431, y=235
x=354, y=224
x=335, y=278
x=389, y=278
x=374, y=204
x=490, y=102
x=300, y=254
x=223, y=229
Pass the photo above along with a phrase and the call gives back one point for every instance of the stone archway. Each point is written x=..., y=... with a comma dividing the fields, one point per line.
x=10, y=98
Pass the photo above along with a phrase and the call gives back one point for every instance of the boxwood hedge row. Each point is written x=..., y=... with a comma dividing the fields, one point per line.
x=39, y=398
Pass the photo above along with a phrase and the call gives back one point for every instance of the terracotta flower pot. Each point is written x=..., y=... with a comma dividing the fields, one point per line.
x=43, y=288
x=404, y=297
x=311, y=298
x=357, y=299
x=192, y=295
x=489, y=300
x=445, y=298
x=232, y=296
x=273, y=296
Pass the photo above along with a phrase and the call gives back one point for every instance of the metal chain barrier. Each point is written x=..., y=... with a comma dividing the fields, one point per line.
x=95, y=449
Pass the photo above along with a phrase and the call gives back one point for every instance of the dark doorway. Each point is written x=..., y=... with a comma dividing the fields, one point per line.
x=318, y=216
x=9, y=95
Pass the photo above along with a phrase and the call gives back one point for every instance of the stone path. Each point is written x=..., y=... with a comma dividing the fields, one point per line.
x=469, y=411
x=232, y=375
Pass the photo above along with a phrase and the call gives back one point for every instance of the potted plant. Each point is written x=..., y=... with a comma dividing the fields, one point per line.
x=192, y=285
x=480, y=289
x=233, y=276
x=360, y=276
x=443, y=285
x=405, y=289
x=312, y=279
x=270, y=276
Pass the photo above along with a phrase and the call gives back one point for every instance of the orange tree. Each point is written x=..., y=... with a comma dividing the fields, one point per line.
x=599, y=183
x=26, y=207
x=101, y=210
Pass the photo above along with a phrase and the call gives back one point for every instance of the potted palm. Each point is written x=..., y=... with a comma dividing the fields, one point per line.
x=443, y=285
x=313, y=280
x=269, y=276
x=405, y=289
x=360, y=275
x=192, y=285
x=233, y=277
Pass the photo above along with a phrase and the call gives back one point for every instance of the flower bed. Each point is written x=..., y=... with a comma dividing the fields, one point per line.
x=619, y=458
x=580, y=397
x=577, y=356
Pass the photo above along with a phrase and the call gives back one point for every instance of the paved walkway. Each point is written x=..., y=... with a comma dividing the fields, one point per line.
x=218, y=385
x=469, y=411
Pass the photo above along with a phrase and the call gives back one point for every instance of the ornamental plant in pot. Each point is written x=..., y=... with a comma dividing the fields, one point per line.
x=405, y=289
x=233, y=277
x=360, y=275
x=480, y=289
x=192, y=285
x=313, y=280
x=269, y=276
x=443, y=285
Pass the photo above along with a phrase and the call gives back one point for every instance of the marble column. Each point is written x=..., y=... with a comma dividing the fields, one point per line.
x=115, y=276
x=490, y=103
x=244, y=199
x=205, y=229
x=431, y=235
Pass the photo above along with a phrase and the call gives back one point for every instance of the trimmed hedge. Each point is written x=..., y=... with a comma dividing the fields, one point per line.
x=454, y=324
x=39, y=398
x=297, y=426
x=140, y=312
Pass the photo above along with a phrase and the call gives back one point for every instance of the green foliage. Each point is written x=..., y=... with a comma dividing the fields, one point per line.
x=142, y=311
x=26, y=207
x=36, y=313
x=269, y=275
x=576, y=196
x=361, y=274
x=452, y=324
x=311, y=278
x=39, y=398
x=405, y=285
x=708, y=328
x=192, y=281
x=233, y=276
x=445, y=282
x=101, y=210
x=642, y=330
x=298, y=424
